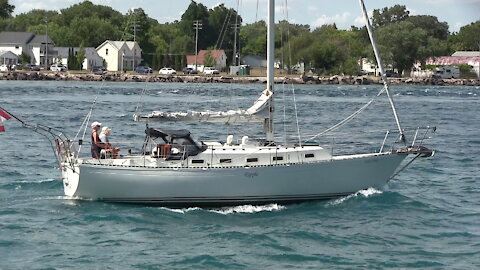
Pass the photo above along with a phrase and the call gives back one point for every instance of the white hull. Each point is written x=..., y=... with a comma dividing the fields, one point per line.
x=230, y=186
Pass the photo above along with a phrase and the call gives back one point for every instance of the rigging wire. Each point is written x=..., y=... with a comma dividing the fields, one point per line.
x=348, y=118
x=289, y=49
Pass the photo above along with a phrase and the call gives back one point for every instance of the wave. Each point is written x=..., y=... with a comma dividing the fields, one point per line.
x=248, y=209
x=364, y=192
x=241, y=209
x=38, y=181
x=181, y=210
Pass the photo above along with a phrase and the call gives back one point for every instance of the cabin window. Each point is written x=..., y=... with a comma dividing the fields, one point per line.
x=17, y=47
x=309, y=155
x=106, y=51
x=277, y=158
x=198, y=161
x=225, y=160
x=252, y=159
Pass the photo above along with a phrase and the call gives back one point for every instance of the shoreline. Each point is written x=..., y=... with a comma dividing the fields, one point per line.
x=299, y=79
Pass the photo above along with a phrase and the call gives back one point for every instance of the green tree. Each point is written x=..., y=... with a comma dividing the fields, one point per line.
x=253, y=38
x=5, y=9
x=390, y=15
x=401, y=44
x=431, y=25
x=209, y=59
x=25, y=58
x=80, y=57
x=468, y=38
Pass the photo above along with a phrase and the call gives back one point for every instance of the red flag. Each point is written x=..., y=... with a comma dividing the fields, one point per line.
x=3, y=117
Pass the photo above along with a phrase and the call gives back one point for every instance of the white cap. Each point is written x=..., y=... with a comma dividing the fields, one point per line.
x=94, y=124
x=105, y=128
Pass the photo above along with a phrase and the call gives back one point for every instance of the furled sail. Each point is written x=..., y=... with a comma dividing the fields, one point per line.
x=257, y=113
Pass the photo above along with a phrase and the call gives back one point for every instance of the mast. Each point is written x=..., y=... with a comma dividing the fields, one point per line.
x=382, y=68
x=268, y=125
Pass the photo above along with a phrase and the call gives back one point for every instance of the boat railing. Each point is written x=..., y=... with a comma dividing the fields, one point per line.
x=375, y=141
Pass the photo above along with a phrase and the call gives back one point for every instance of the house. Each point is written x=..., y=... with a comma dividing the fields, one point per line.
x=40, y=48
x=197, y=61
x=91, y=57
x=471, y=58
x=120, y=55
x=8, y=58
x=254, y=61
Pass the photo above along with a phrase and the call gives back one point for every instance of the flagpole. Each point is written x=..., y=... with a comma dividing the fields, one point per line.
x=16, y=118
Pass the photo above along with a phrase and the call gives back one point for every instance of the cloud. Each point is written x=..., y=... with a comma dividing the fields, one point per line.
x=312, y=8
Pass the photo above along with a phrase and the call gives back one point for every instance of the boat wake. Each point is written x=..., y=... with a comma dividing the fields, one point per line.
x=364, y=192
x=241, y=209
x=248, y=209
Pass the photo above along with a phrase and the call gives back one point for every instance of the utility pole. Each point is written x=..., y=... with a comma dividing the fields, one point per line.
x=46, y=43
x=236, y=26
x=197, y=25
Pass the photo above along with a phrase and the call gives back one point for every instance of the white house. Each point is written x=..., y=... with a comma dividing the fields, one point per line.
x=120, y=55
x=219, y=56
x=38, y=47
x=91, y=57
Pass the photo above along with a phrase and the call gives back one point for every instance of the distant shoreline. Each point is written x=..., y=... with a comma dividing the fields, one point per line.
x=298, y=79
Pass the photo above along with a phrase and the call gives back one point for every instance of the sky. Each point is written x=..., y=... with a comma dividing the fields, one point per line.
x=344, y=13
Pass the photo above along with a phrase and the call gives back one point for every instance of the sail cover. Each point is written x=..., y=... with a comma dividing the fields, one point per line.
x=257, y=113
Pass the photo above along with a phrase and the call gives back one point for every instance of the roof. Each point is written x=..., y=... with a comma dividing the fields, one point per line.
x=466, y=53
x=217, y=54
x=454, y=60
x=8, y=54
x=63, y=51
x=40, y=39
x=119, y=44
x=16, y=37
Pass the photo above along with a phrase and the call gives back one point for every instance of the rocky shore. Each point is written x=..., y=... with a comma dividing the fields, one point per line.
x=304, y=79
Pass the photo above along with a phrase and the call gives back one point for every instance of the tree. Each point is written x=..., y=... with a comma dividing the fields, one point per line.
x=468, y=37
x=390, y=15
x=5, y=9
x=209, y=59
x=434, y=28
x=401, y=44
x=253, y=37
x=80, y=57
x=25, y=58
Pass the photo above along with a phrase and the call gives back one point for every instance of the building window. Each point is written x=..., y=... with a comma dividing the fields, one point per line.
x=106, y=51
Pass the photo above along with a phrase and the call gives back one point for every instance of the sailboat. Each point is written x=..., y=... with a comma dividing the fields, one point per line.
x=175, y=169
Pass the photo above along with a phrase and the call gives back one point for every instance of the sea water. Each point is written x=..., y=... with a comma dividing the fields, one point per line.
x=426, y=217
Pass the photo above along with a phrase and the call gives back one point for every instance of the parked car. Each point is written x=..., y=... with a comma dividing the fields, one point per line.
x=3, y=68
x=99, y=69
x=143, y=69
x=210, y=71
x=189, y=70
x=31, y=67
x=167, y=71
x=58, y=67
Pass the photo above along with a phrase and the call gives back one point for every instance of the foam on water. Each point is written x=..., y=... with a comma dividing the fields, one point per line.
x=181, y=210
x=365, y=193
x=248, y=209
